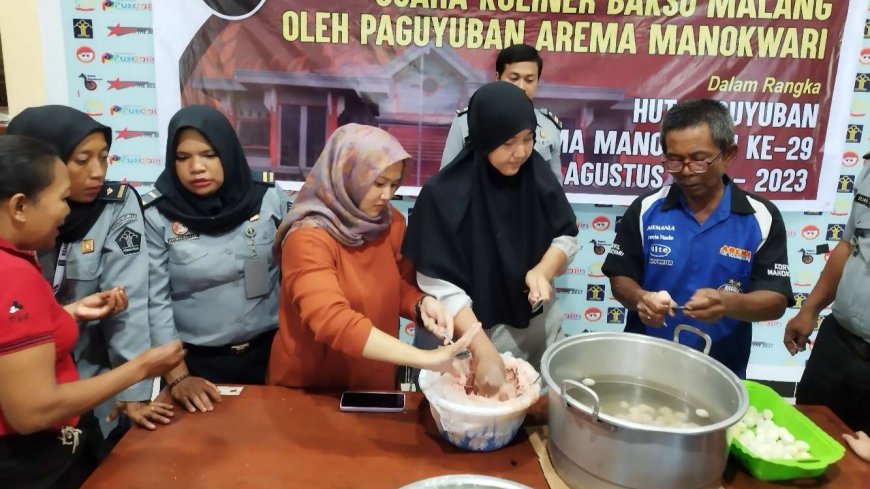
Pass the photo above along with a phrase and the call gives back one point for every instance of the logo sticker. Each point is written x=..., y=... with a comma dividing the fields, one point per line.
x=83, y=28
x=615, y=315
x=592, y=314
x=85, y=54
x=595, y=292
x=600, y=223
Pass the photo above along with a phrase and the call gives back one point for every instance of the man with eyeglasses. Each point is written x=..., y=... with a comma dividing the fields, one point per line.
x=701, y=251
x=837, y=373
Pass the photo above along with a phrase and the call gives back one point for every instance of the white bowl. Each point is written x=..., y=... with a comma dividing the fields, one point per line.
x=478, y=428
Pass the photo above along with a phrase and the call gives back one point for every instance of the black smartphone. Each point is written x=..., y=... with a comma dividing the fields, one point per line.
x=376, y=402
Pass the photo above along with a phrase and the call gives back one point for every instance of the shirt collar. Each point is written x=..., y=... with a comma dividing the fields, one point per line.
x=739, y=202
x=27, y=255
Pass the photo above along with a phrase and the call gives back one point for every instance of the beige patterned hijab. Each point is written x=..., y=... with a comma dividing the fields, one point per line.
x=353, y=158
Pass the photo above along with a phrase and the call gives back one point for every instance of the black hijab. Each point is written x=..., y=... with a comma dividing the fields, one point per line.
x=65, y=128
x=480, y=230
x=234, y=202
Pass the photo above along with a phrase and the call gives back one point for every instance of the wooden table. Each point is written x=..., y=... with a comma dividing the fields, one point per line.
x=276, y=437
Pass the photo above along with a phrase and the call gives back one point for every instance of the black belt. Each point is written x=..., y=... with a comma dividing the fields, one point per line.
x=236, y=349
x=856, y=343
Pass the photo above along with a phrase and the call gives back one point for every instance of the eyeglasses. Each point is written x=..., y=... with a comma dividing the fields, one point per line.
x=676, y=166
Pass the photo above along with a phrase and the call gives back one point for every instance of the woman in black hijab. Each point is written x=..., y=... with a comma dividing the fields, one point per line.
x=99, y=248
x=209, y=229
x=491, y=230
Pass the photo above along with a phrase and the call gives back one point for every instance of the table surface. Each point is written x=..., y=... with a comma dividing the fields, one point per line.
x=277, y=437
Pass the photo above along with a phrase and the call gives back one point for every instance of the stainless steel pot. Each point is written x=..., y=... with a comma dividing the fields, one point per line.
x=591, y=449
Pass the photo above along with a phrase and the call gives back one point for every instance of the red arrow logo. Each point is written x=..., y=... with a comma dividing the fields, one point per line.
x=127, y=134
x=117, y=30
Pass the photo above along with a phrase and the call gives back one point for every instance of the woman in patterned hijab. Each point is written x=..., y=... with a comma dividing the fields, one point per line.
x=344, y=281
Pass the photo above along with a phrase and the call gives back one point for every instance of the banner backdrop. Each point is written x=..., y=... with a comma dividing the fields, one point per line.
x=291, y=71
x=138, y=86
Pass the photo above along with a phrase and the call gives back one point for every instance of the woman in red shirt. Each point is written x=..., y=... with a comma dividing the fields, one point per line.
x=43, y=441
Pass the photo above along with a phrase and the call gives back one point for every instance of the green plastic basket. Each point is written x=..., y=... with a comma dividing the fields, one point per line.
x=823, y=449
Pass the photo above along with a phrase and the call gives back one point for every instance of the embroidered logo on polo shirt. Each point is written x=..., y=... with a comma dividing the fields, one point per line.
x=128, y=241
x=615, y=250
x=659, y=250
x=17, y=312
x=736, y=253
x=778, y=270
x=731, y=286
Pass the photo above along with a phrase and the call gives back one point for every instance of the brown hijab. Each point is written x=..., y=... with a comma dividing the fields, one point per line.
x=353, y=158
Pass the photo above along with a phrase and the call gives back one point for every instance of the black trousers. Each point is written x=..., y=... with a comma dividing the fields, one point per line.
x=837, y=375
x=232, y=364
x=47, y=460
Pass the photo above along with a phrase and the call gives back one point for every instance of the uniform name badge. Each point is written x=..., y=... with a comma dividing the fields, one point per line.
x=256, y=270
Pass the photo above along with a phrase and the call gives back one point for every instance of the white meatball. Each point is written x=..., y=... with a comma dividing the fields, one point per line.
x=702, y=413
x=588, y=382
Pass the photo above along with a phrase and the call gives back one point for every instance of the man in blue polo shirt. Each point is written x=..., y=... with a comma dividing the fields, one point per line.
x=701, y=243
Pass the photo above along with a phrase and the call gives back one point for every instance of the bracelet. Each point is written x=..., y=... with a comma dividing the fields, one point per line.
x=178, y=380
x=417, y=306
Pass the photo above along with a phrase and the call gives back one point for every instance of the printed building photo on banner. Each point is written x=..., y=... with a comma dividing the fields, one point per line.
x=289, y=72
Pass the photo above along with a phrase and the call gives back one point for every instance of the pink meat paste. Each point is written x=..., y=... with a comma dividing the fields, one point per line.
x=519, y=377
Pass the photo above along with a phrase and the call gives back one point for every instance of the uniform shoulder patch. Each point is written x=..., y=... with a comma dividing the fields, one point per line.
x=150, y=198
x=462, y=111
x=551, y=116
x=113, y=192
x=263, y=176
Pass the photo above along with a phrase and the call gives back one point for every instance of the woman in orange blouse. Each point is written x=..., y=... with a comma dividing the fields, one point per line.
x=344, y=282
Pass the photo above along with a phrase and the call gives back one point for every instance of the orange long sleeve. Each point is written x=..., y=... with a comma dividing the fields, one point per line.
x=331, y=297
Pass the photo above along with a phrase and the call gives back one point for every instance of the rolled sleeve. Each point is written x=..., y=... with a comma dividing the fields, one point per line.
x=453, y=298
x=568, y=245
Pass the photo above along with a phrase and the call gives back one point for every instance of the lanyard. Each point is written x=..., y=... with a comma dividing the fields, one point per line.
x=60, y=269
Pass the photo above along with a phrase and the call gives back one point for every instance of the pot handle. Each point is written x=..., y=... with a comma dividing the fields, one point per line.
x=708, y=342
x=576, y=405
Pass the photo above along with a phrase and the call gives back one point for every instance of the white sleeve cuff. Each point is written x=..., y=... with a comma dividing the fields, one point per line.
x=453, y=298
